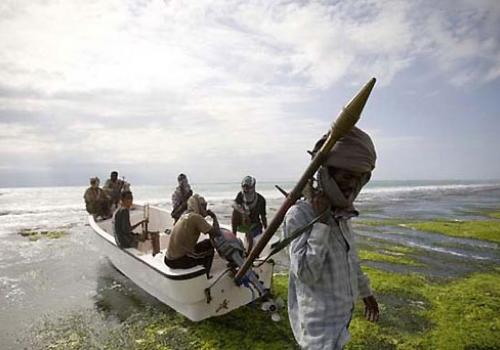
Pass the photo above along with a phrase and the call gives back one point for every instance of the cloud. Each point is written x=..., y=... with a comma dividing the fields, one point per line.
x=165, y=82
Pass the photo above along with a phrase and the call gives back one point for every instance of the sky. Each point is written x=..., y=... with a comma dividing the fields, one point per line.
x=223, y=89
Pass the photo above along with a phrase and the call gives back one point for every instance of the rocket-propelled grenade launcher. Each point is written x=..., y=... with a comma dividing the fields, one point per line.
x=347, y=118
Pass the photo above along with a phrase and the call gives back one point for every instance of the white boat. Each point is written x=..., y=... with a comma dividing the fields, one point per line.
x=188, y=291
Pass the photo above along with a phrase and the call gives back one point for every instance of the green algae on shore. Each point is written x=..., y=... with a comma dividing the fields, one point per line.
x=495, y=214
x=419, y=314
x=36, y=235
x=245, y=328
x=415, y=314
x=393, y=257
x=382, y=222
x=466, y=314
x=479, y=229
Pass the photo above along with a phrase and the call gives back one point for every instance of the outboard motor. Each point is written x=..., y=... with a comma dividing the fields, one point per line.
x=231, y=248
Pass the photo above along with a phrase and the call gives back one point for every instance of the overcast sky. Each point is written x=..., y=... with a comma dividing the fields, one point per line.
x=222, y=89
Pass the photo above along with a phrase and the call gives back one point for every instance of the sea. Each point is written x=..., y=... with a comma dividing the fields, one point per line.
x=50, y=279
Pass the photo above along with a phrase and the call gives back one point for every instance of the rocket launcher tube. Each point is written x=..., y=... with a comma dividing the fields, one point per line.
x=347, y=118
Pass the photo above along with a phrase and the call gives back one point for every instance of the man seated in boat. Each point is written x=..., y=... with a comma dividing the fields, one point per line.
x=96, y=200
x=249, y=214
x=180, y=197
x=114, y=188
x=184, y=251
x=123, y=230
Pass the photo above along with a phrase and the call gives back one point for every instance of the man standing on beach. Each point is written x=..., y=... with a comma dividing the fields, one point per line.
x=325, y=274
x=249, y=214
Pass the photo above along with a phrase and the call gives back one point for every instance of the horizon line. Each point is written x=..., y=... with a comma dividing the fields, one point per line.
x=259, y=181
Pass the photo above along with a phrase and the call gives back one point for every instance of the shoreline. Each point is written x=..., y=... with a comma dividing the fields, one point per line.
x=418, y=311
x=61, y=284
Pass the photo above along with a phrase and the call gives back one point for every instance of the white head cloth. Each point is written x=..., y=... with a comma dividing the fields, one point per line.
x=194, y=204
x=353, y=152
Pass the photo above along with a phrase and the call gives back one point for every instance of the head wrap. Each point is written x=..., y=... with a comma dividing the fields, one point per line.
x=248, y=181
x=248, y=191
x=184, y=185
x=195, y=204
x=353, y=152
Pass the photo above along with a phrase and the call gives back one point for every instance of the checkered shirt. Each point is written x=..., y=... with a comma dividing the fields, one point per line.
x=325, y=279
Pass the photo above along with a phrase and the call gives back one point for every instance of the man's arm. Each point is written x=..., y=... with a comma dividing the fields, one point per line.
x=139, y=223
x=238, y=203
x=122, y=222
x=263, y=216
x=215, y=225
x=176, y=199
x=86, y=196
x=371, y=306
x=107, y=185
x=179, y=203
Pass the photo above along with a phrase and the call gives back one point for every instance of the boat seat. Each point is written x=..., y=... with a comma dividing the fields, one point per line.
x=146, y=247
x=175, y=274
x=180, y=274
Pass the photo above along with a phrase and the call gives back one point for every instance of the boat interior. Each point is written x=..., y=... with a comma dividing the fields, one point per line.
x=161, y=222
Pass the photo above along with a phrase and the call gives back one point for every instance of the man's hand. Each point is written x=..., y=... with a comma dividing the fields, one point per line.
x=371, y=308
x=211, y=214
x=320, y=204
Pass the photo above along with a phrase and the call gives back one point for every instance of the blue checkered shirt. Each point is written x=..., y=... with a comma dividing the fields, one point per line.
x=325, y=279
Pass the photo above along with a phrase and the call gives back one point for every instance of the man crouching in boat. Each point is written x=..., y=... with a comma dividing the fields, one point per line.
x=123, y=230
x=325, y=274
x=96, y=200
x=183, y=250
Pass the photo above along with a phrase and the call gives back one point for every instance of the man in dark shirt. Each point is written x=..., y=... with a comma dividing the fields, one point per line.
x=114, y=187
x=180, y=197
x=249, y=214
x=123, y=230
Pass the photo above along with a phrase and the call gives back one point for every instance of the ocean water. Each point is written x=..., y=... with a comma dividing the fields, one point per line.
x=50, y=278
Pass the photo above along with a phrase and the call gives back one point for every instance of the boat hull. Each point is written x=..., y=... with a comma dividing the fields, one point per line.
x=188, y=291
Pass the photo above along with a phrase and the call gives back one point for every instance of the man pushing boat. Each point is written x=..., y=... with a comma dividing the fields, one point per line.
x=249, y=212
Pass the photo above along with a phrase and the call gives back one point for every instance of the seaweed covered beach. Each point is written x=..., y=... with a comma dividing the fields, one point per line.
x=431, y=250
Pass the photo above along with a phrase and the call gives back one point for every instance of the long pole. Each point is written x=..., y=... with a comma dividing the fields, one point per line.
x=346, y=119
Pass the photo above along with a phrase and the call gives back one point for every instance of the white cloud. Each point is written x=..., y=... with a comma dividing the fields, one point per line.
x=168, y=75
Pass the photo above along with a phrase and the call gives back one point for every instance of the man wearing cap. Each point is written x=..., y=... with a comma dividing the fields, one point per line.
x=184, y=251
x=96, y=200
x=249, y=212
x=325, y=274
x=180, y=197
